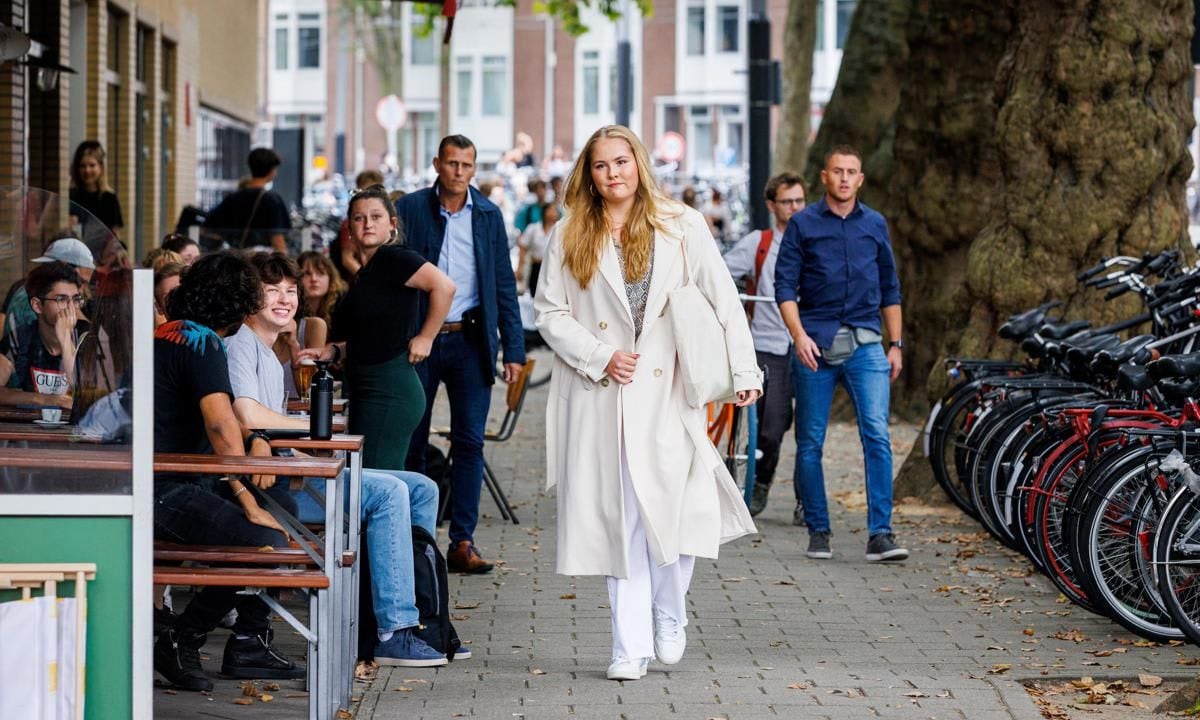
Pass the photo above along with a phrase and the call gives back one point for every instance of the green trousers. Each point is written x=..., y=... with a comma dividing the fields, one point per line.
x=386, y=405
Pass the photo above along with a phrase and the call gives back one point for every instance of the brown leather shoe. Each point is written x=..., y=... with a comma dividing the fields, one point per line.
x=464, y=558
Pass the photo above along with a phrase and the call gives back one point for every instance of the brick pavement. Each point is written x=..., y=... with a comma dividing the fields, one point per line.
x=772, y=633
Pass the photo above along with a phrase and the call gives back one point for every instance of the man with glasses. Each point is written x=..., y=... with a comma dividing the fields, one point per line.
x=68, y=250
x=37, y=359
x=753, y=258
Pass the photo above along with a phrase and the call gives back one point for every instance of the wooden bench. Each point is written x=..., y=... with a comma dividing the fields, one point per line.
x=266, y=578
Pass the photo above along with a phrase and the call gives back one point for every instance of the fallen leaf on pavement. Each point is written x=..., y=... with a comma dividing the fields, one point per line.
x=1000, y=668
x=1148, y=680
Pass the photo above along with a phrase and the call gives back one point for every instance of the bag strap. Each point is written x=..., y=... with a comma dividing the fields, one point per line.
x=250, y=220
x=764, y=249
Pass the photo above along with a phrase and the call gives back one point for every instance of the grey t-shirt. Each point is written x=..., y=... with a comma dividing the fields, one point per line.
x=254, y=371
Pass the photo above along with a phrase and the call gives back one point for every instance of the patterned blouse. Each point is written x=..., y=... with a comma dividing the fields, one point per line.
x=637, y=292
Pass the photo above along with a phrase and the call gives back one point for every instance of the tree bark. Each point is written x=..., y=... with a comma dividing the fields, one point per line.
x=1077, y=149
x=799, y=41
x=863, y=105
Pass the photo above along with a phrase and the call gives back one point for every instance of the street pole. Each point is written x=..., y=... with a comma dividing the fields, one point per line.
x=624, y=67
x=758, y=51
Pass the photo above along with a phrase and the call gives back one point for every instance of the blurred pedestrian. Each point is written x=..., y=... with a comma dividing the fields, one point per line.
x=321, y=287
x=455, y=226
x=533, y=244
x=642, y=490
x=188, y=249
x=753, y=258
x=253, y=216
x=91, y=194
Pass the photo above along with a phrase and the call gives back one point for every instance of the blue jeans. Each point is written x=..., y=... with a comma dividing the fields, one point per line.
x=456, y=361
x=392, y=502
x=865, y=377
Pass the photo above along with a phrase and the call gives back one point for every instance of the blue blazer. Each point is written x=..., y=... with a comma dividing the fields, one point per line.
x=424, y=230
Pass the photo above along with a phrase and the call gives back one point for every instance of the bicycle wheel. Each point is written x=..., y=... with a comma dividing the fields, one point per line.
x=1177, y=562
x=946, y=431
x=1113, y=541
x=1049, y=512
x=739, y=448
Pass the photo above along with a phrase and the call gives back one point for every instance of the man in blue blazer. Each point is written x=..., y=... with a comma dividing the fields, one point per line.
x=455, y=227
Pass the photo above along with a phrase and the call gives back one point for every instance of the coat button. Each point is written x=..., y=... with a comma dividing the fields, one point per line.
x=604, y=382
x=603, y=325
x=657, y=372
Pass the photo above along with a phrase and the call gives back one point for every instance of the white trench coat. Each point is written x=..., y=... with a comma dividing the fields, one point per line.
x=688, y=502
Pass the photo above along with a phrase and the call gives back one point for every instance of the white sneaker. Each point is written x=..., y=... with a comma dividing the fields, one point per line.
x=624, y=669
x=670, y=639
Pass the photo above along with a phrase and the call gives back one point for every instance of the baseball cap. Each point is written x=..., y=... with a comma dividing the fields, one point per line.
x=70, y=251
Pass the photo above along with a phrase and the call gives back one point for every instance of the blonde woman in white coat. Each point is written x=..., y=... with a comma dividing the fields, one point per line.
x=642, y=491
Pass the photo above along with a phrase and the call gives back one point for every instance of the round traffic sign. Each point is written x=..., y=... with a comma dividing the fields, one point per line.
x=390, y=113
x=671, y=146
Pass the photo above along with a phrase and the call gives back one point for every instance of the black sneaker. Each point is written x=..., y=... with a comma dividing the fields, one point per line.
x=177, y=658
x=758, y=499
x=253, y=657
x=818, y=546
x=883, y=548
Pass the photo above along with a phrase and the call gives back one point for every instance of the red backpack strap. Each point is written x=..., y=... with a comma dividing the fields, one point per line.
x=760, y=257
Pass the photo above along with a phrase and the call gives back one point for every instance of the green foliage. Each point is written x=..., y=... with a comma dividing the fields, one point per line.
x=566, y=12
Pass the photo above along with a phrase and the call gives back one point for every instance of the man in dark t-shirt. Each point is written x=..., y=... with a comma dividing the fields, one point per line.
x=193, y=413
x=37, y=359
x=254, y=216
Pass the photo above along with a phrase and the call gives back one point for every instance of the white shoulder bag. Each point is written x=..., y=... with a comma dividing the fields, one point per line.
x=699, y=343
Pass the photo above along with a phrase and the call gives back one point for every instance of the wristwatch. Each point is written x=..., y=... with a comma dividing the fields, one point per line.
x=256, y=434
x=896, y=344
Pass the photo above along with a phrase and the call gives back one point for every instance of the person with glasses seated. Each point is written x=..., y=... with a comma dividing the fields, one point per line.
x=37, y=359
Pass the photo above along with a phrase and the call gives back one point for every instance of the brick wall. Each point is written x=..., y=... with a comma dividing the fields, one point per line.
x=529, y=74
x=658, y=63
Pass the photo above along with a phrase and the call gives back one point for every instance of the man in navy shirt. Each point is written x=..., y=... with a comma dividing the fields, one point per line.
x=834, y=278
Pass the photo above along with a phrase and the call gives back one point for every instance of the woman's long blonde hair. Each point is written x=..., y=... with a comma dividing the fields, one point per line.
x=585, y=227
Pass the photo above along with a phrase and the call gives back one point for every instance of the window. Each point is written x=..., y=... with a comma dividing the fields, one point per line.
x=281, y=48
x=591, y=82
x=845, y=13
x=463, y=91
x=309, y=40
x=142, y=57
x=424, y=49
x=695, y=30
x=495, y=85
x=115, y=36
x=727, y=26
x=820, y=26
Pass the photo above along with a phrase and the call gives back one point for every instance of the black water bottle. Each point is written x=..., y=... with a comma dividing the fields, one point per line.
x=320, y=398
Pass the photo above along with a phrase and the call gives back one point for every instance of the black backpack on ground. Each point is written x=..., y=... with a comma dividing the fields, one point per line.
x=432, y=595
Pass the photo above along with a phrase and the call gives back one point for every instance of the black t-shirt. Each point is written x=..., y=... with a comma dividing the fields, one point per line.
x=189, y=365
x=231, y=217
x=35, y=368
x=103, y=205
x=378, y=316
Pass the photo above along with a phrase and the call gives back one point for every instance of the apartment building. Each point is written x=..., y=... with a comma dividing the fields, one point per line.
x=511, y=70
x=168, y=86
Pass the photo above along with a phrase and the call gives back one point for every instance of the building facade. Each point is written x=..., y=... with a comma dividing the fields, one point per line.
x=512, y=70
x=152, y=83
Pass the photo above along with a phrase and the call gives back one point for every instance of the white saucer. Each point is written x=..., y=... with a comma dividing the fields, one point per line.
x=51, y=423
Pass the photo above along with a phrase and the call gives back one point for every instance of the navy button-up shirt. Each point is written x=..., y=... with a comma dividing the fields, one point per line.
x=839, y=271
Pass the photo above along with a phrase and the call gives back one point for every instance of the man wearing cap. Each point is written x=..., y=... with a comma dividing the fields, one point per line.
x=17, y=311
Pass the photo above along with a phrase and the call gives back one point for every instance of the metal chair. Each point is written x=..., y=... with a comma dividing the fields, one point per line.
x=515, y=400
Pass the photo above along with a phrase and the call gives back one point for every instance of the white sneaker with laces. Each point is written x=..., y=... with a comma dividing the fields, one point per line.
x=670, y=639
x=626, y=669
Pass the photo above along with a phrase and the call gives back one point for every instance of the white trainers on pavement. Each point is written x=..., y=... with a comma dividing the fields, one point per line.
x=626, y=669
x=670, y=639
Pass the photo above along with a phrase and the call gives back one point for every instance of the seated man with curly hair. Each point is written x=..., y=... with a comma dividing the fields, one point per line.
x=193, y=413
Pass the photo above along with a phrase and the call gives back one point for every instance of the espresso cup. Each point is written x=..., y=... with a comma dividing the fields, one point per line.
x=51, y=415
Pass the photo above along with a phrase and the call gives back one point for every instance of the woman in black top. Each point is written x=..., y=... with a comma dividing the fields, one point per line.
x=90, y=192
x=375, y=328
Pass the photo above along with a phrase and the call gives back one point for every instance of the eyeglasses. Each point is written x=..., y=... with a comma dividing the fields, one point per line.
x=790, y=201
x=64, y=299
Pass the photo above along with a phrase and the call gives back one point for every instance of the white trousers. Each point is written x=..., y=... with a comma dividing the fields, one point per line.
x=648, y=587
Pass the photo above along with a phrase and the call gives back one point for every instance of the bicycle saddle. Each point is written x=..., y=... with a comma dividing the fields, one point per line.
x=1175, y=366
x=1062, y=330
x=1133, y=377
x=1133, y=350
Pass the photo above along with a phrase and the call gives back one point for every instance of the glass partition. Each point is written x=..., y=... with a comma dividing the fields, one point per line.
x=66, y=350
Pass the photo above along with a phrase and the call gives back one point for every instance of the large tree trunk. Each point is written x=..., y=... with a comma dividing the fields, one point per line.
x=863, y=105
x=1078, y=150
x=799, y=41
